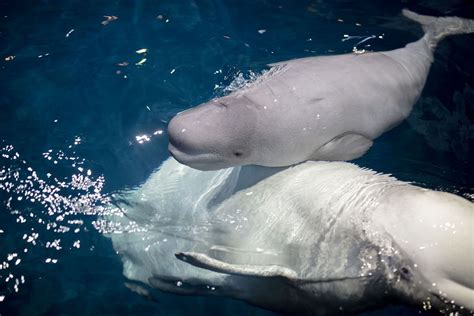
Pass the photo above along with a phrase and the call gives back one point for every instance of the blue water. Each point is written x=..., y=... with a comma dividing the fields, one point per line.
x=82, y=115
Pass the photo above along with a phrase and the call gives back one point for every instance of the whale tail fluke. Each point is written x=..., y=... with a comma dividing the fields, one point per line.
x=437, y=28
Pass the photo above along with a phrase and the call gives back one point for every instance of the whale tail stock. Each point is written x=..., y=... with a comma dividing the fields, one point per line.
x=437, y=28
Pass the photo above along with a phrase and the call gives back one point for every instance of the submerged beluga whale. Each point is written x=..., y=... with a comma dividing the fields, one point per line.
x=319, y=238
x=316, y=108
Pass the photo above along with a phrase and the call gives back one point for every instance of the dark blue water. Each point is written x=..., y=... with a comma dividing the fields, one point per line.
x=82, y=114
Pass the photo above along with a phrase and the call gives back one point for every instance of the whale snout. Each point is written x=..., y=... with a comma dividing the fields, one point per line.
x=191, y=141
x=180, y=132
x=213, y=135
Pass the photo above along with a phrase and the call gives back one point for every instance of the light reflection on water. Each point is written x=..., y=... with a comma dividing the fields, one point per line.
x=48, y=211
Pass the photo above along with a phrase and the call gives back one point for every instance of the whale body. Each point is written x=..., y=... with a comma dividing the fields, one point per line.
x=315, y=108
x=315, y=239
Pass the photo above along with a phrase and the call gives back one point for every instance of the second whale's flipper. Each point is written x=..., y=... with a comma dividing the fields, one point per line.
x=270, y=271
x=437, y=28
x=344, y=147
x=265, y=271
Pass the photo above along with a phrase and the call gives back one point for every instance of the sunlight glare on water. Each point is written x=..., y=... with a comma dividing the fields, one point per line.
x=50, y=212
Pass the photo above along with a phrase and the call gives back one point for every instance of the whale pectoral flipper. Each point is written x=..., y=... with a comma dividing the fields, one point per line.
x=268, y=271
x=343, y=147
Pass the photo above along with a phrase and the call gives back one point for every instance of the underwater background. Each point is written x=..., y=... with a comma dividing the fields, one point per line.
x=87, y=88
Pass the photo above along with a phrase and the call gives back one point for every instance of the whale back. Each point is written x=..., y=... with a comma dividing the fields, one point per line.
x=317, y=199
x=168, y=213
x=315, y=108
x=313, y=238
x=435, y=230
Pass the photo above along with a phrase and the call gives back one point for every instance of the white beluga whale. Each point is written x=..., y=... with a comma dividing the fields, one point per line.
x=315, y=239
x=316, y=108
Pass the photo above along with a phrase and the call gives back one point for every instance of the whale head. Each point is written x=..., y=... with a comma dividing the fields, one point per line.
x=214, y=135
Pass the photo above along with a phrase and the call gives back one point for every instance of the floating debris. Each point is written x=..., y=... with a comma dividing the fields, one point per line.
x=123, y=64
x=141, y=62
x=142, y=51
x=362, y=39
x=340, y=20
x=358, y=24
x=45, y=55
x=172, y=71
x=10, y=58
x=365, y=39
x=162, y=17
x=227, y=37
x=69, y=33
x=108, y=19
x=358, y=51
x=262, y=31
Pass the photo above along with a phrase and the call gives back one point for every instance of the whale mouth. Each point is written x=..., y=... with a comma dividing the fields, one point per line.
x=200, y=161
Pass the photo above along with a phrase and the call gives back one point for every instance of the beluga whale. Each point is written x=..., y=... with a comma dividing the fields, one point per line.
x=319, y=238
x=315, y=108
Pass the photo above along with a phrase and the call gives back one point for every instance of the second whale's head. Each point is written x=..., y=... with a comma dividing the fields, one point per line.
x=214, y=135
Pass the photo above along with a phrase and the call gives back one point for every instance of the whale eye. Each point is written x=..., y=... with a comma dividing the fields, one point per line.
x=222, y=104
x=237, y=153
x=405, y=273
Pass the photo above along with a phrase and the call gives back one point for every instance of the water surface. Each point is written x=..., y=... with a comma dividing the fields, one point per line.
x=82, y=115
